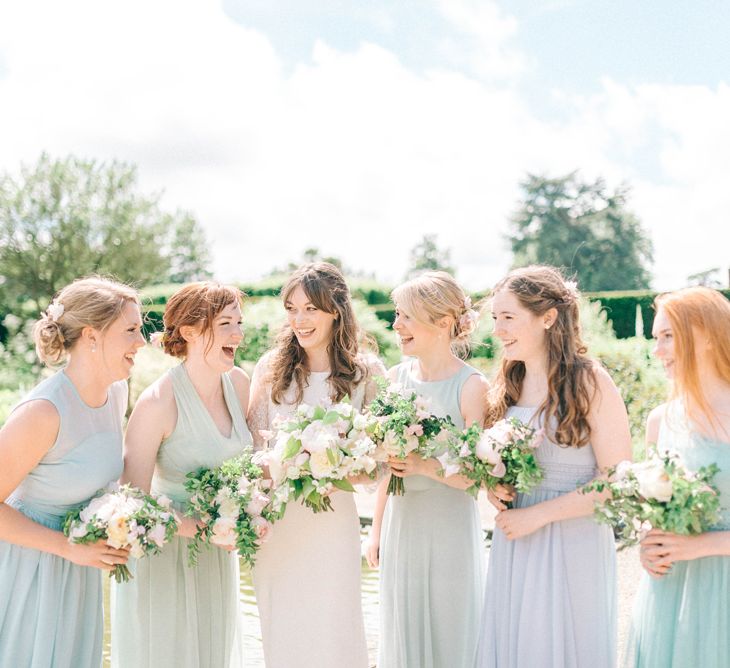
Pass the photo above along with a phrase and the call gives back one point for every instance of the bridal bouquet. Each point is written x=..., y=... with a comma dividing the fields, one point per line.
x=659, y=493
x=125, y=517
x=232, y=506
x=405, y=424
x=317, y=450
x=503, y=454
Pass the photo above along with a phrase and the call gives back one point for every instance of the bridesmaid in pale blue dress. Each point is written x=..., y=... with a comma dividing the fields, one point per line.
x=681, y=615
x=61, y=444
x=429, y=546
x=550, y=598
x=172, y=614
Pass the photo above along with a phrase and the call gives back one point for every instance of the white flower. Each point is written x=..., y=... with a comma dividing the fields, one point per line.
x=502, y=432
x=117, y=531
x=653, y=481
x=359, y=422
x=318, y=436
x=55, y=311
x=157, y=534
x=320, y=463
x=164, y=501
x=79, y=531
x=257, y=503
x=136, y=550
x=488, y=450
x=448, y=466
x=343, y=409
x=305, y=411
x=262, y=528
x=224, y=532
x=227, y=504
x=622, y=469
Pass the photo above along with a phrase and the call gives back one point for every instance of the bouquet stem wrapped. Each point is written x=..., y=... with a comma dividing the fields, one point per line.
x=125, y=517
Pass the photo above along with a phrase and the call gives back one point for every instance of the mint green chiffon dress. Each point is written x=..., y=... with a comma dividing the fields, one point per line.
x=431, y=558
x=172, y=614
x=51, y=608
x=683, y=619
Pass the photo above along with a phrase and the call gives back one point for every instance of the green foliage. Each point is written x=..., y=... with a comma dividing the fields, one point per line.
x=583, y=228
x=61, y=219
x=660, y=494
x=427, y=256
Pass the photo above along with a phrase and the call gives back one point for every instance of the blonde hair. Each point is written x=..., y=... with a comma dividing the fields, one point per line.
x=435, y=295
x=93, y=301
x=570, y=373
x=708, y=311
x=196, y=304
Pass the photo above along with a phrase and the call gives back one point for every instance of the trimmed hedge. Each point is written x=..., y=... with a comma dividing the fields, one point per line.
x=620, y=308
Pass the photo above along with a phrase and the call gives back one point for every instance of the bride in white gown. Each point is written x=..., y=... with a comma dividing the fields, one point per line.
x=307, y=576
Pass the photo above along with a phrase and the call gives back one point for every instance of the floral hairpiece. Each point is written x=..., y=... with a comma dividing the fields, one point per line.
x=157, y=339
x=55, y=311
x=467, y=303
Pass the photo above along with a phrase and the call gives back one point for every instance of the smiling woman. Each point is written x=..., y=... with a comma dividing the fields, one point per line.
x=171, y=614
x=59, y=446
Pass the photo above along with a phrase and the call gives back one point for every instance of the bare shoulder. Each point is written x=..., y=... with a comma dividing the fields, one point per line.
x=240, y=380
x=653, y=422
x=476, y=384
x=156, y=400
x=38, y=417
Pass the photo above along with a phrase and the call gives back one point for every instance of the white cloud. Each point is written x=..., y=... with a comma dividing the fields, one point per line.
x=353, y=153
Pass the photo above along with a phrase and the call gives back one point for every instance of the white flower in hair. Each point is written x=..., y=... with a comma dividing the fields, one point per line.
x=572, y=286
x=55, y=311
x=467, y=303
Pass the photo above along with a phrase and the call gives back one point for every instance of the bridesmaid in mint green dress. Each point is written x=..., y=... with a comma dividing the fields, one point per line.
x=60, y=445
x=681, y=614
x=429, y=548
x=172, y=614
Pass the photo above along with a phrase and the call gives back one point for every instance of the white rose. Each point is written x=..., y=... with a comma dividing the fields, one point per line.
x=224, y=532
x=79, y=531
x=257, y=503
x=488, y=450
x=317, y=436
x=320, y=465
x=136, y=550
x=359, y=422
x=449, y=467
x=653, y=481
x=622, y=469
x=502, y=432
x=117, y=531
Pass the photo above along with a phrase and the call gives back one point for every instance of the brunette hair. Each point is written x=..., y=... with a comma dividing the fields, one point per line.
x=197, y=305
x=570, y=373
x=93, y=301
x=326, y=289
x=708, y=311
x=434, y=295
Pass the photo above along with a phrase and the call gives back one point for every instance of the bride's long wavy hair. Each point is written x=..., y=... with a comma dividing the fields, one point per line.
x=570, y=373
x=326, y=289
x=694, y=311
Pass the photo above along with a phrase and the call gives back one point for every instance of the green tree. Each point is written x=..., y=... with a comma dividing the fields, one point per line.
x=583, y=228
x=189, y=255
x=427, y=256
x=61, y=219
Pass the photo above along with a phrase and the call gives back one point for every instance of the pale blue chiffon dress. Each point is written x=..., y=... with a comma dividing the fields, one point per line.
x=172, y=614
x=431, y=558
x=683, y=619
x=51, y=608
x=550, y=598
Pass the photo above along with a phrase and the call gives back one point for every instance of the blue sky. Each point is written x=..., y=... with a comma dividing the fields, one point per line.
x=356, y=127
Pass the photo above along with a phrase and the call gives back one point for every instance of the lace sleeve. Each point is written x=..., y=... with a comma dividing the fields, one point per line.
x=258, y=405
x=375, y=369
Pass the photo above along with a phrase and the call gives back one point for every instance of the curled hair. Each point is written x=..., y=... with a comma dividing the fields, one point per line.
x=326, y=289
x=93, y=301
x=195, y=305
x=691, y=311
x=433, y=296
x=571, y=374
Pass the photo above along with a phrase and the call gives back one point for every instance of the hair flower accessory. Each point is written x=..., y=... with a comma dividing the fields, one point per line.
x=55, y=311
x=467, y=303
x=157, y=339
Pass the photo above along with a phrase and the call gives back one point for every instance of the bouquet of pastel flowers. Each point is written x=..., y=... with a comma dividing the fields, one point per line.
x=317, y=450
x=405, y=424
x=125, y=517
x=503, y=454
x=232, y=506
x=658, y=493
